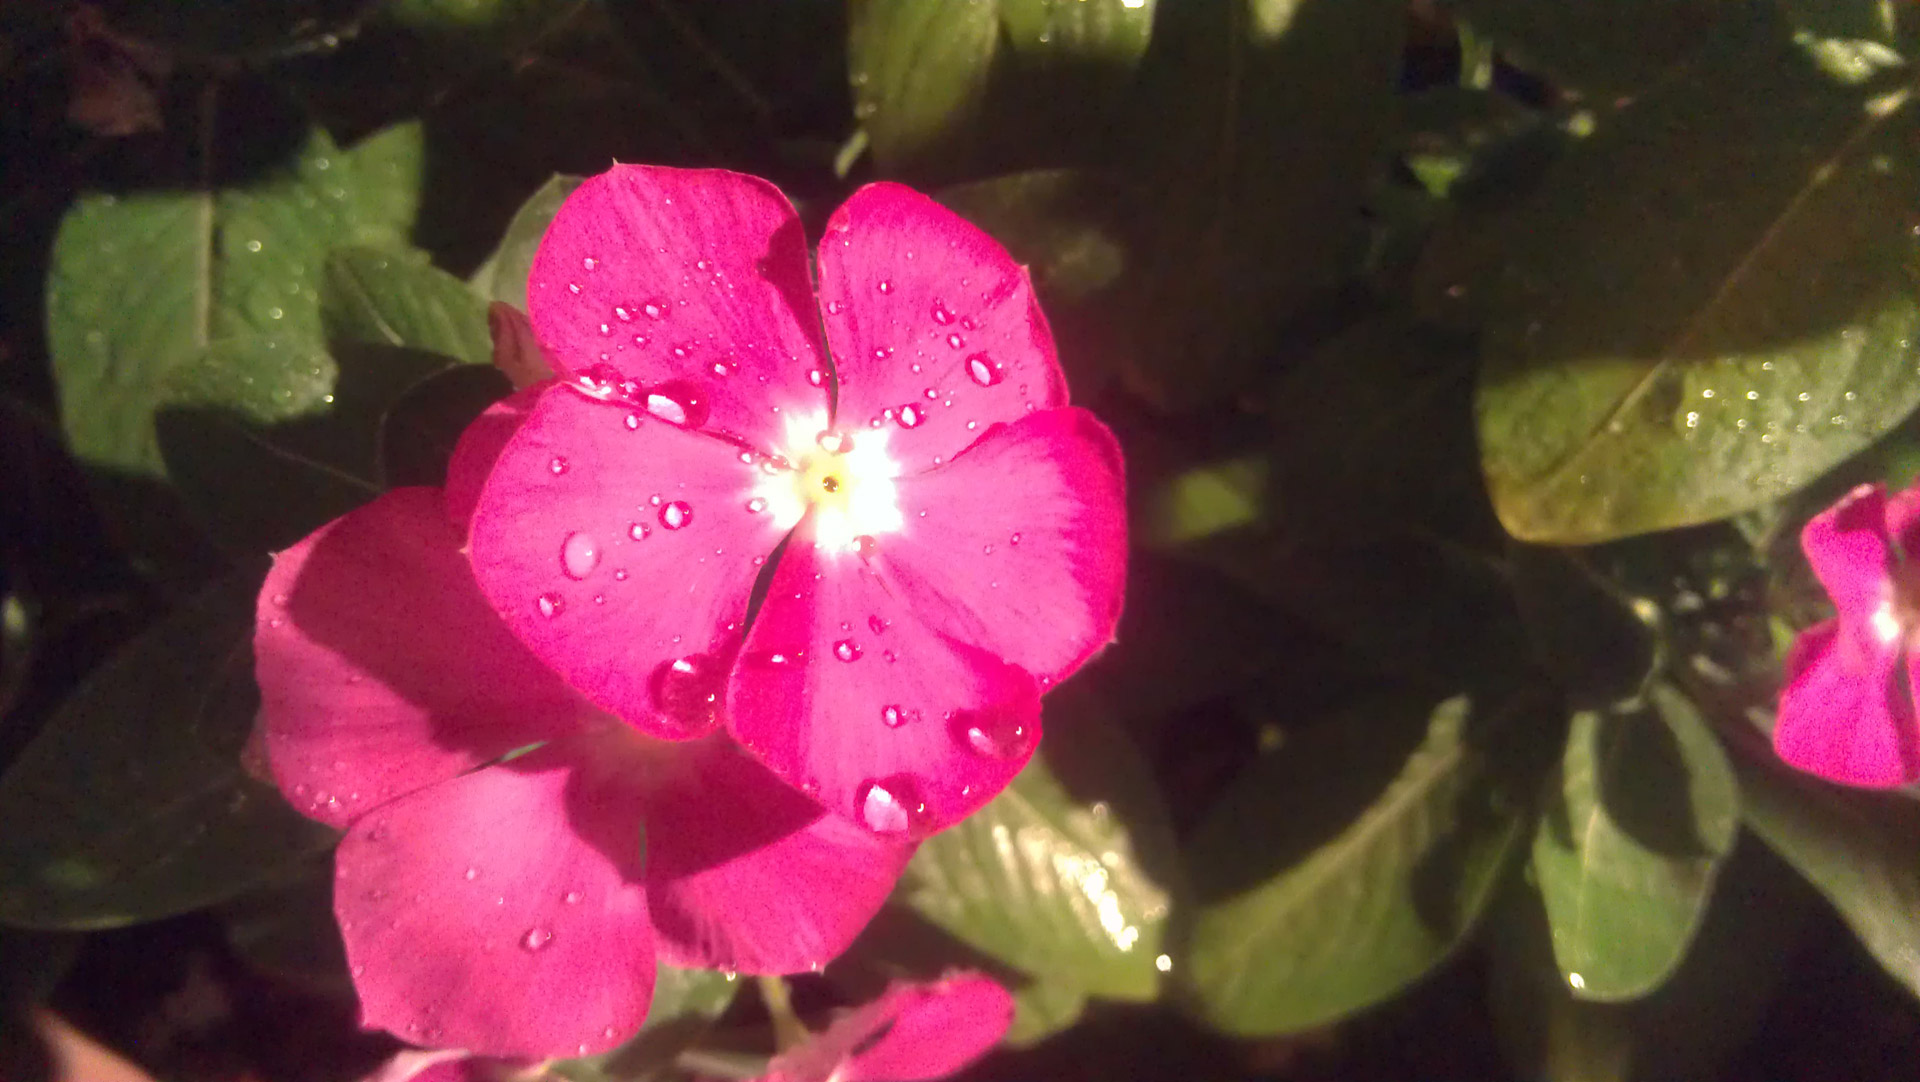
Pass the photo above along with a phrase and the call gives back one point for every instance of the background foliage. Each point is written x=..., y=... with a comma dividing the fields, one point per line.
x=1477, y=362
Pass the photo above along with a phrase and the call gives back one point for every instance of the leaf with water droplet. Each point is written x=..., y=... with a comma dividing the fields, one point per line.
x=1624, y=305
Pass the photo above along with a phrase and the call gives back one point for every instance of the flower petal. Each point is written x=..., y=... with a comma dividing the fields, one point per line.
x=502, y=911
x=690, y=280
x=621, y=549
x=913, y=1032
x=932, y=325
x=516, y=351
x=1843, y=716
x=1847, y=546
x=745, y=874
x=1903, y=521
x=381, y=667
x=1019, y=545
x=845, y=693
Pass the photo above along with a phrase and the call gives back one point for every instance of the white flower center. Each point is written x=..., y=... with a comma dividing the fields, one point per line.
x=846, y=479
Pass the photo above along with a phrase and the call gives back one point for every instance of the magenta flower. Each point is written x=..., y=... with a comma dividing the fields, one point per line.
x=1847, y=713
x=912, y=1033
x=511, y=694
x=955, y=532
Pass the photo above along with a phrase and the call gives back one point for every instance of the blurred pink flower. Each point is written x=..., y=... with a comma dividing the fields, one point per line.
x=913, y=1032
x=1847, y=714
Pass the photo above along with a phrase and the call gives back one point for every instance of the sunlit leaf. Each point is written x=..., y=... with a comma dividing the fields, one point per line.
x=1050, y=884
x=397, y=298
x=1710, y=302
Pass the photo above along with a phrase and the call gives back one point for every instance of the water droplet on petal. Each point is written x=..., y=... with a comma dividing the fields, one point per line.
x=834, y=443
x=678, y=402
x=846, y=650
x=579, y=555
x=639, y=531
x=910, y=416
x=892, y=806
x=756, y=505
x=1014, y=540
x=994, y=734
x=536, y=938
x=816, y=377
x=893, y=717
x=571, y=897
x=551, y=605
x=472, y=873
x=865, y=546
x=622, y=314
x=676, y=515
x=941, y=314
x=877, y=625
x=956, y=341
x=633, y=422
x=687, y=691
x=557, y=466
x=983, y=370
x=656, y=309
x=885, y=286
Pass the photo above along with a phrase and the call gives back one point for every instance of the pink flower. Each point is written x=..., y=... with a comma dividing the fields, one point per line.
x=515, y=906
x=913, y=1032
x=1846, y=714
x=955, y=532
x=510, y=694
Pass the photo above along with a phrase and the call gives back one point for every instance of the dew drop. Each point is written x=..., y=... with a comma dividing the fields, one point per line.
x=573, y=288
x=983, y=370
x=473, y=873
x=536, y=938
x=676, y=515
x=892, y=717
x=892, y=806
x=551, y=605
x=910, y=416
x=655, y=309
x=687, y=690
x=589, y=262
x=557, y=466
x=876, y=625
x=624, y=315
x=994, y=735
x=956, y=341
x=885, y=286
x=846, y=650
x=816, y=377
x=632, y=422
x=941, y=314
x=756, y=505
x=834, y=443
x=865, y=546
x=579, y=555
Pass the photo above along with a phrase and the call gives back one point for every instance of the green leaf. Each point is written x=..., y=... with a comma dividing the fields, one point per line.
x=1042, y=1009
x=421, y=428
x=1341, y=867
x=1646, y=808
x=1050, y=881
x=945, y=90
x=397, y=298
x=1856, y=847
x=1709, y=303
x=141, y=285
x=131, y=804
x=685, y=1003
x=1240, y=236
x=1602, y=644
x=1601, y=48
x=504, y=276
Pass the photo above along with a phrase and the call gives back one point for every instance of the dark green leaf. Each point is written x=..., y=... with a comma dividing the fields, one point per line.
x=504, y=277
x=131, y=804
x=1644, y=809
x=1042, y=1009
x=1235, y=99
x=1603, y=645
x=1051, y=882
x=421, y=429
x=944, y=90
x=1856, y=847
x=1341, y=867
x=1599, y=47
x=1710, y=302
x=141, y=285
x=397, y=298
